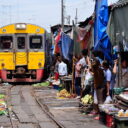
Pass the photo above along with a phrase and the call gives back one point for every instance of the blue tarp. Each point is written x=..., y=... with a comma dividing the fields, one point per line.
x=101, y=40
x=66, y=46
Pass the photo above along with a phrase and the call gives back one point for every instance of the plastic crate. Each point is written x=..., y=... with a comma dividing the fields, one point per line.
x=117, y=91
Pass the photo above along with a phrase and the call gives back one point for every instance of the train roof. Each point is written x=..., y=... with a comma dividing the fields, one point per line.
x=22, y=28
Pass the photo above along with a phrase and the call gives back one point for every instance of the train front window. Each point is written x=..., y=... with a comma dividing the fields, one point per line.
x=35, y=42
x=21, y=42
x=6, y=42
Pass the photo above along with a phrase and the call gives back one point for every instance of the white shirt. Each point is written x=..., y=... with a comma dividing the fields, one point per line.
x=82, y=61
x=108, y=78
x=108, y=75
x=62, y=69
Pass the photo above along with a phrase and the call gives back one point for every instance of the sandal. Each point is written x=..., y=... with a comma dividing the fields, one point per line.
x=92, y=113
x=97, y=118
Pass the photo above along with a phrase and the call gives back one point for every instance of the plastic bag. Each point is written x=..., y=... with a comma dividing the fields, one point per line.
x=121, y=113
x=108, y=100
x=88, y=78
x=126, y=113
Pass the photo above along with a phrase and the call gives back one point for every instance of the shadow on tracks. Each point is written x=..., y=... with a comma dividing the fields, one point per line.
x=22, y=83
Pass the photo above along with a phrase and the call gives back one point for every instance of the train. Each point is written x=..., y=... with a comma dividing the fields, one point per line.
x=24, y=52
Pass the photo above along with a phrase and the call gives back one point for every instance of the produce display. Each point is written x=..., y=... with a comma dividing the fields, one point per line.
x=87, y=99
x=2, y=96
x=122, y=113
x=43, y=84
x=2, y=105
x=64, y=93
x=56, y=82
x=108, y=108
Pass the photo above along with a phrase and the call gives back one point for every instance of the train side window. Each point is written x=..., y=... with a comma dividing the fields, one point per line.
x=6, y=42
x=35, y=42
x=21, y=42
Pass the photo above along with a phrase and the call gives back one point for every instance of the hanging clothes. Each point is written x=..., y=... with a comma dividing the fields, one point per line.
x=66, y=46
x=101, y=40
x=77, y=47
x=82, y=35
x=57, y=39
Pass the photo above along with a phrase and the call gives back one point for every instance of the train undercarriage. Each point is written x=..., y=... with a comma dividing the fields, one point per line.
x=22, y=74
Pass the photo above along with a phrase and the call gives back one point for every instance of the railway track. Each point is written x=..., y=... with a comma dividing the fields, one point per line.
x=43, y=107
x=28, y=110
x=8, y=106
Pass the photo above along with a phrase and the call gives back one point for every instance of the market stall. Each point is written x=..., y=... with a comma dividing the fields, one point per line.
x=116, y=114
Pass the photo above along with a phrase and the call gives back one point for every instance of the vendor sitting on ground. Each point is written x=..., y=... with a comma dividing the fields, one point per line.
x=62, y=68
x=124, y=73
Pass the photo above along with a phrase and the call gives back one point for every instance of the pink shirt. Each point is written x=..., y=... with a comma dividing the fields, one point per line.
x=78, y=69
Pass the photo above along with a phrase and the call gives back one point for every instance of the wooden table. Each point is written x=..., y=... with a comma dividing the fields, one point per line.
x=67, y=82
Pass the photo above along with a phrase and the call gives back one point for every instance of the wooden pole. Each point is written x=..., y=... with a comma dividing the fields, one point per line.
x=73, y=64
x=119, y=59
x=120, y=67
x=73, y=74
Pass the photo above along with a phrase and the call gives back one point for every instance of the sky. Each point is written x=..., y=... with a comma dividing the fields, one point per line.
x=44, y=13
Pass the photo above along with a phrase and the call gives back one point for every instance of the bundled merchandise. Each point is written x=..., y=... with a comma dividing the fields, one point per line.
x=43, y=84
x=3, y=105
x=122, y=113
x=87, y=99
x=64, y=93
x=108, y=108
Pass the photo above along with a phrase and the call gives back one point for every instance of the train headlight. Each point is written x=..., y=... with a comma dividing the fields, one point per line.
x=2, y=64
x=39, y=64
x=21, y=26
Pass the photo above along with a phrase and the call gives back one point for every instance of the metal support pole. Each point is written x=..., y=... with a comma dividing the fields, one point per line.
x=62, y=14
x=76, y=18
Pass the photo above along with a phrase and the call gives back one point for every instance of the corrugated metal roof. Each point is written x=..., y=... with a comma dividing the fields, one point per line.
x=120, y=3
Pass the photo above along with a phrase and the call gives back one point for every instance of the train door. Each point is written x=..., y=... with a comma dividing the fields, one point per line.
x=21, y=49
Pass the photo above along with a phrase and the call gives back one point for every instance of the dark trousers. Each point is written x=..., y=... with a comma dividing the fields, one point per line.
x=78, y=85
x=86, y=91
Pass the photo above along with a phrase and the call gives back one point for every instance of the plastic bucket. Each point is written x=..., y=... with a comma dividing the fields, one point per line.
x=109, y=120
x=56, y=76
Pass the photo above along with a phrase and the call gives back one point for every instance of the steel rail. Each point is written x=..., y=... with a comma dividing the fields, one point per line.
x=8, y=104
x=48, y=113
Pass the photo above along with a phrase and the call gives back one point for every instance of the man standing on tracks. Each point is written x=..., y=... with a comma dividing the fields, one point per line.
x=62, y=68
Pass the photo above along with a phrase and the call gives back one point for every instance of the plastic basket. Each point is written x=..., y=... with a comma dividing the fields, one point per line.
x=117, y=91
